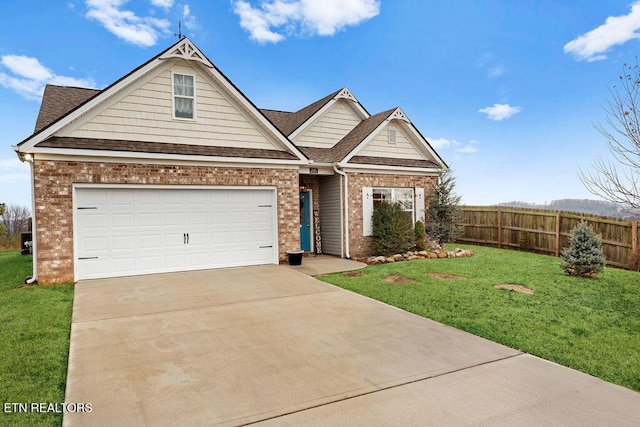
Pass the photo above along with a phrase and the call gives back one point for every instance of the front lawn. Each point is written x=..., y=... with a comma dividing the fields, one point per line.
x=35, y=323
x=589, y=325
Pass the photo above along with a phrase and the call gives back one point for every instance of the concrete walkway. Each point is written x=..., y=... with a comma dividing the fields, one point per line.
x=272, y=345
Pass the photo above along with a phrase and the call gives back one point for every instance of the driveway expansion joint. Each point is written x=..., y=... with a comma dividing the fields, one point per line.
x=488, y=362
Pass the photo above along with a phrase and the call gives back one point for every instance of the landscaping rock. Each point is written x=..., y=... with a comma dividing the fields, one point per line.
x=412, y=258
x=390, y=259
x=423, y=254
x=398, y=257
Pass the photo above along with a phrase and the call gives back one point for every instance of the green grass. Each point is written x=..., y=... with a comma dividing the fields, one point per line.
x=35, y=323
x=592, y=325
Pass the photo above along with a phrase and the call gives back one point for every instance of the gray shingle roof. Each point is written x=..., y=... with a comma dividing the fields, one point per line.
x=164, y=148
x=57, y=101
x=288, y=122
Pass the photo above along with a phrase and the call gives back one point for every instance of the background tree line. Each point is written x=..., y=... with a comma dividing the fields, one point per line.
x=14, y=220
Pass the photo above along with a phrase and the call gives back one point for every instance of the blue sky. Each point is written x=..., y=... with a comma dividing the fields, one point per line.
x=506, y=91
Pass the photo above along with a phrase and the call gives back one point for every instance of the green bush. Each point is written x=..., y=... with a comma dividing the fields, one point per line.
x=421, y=236
x=392, y=230
x=584, y=256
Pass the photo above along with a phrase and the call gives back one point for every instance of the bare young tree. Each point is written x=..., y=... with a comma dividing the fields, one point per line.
x=618, y=179
x=16, y=219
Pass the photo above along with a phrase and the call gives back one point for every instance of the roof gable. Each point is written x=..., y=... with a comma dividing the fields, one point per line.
x=71, y=121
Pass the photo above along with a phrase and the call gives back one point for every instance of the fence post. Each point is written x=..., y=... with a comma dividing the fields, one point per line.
x=558, y=219
x=634, y=237
x=499, y=228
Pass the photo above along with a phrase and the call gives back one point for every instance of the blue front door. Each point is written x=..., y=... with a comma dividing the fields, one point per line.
x=305, y=221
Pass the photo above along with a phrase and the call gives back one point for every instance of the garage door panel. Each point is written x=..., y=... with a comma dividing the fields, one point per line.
x=122, y=221
x=148, y=220
x=122, y=243
x=129, y=231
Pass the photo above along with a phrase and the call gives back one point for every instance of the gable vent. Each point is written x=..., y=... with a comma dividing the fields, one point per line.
x=392, y=136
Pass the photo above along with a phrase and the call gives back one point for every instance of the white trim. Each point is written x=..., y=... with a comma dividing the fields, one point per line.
x=186, y=50
x=354, y=167
x=174, y=96
x=76, y=186
x=419, y=204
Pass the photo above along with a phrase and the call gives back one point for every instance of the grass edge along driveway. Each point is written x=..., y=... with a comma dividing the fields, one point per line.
x=35, y=325
x=592, y=325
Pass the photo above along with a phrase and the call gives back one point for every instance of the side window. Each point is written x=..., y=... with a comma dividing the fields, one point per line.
x=184, y=96
x=373, y=197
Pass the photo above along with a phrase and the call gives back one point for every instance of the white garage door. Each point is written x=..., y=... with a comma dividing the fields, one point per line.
x=126, y=231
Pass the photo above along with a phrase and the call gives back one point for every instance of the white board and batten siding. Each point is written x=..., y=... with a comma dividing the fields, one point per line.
x=124, y=231
x=331, y=215
x=379, y=146
x=330, y=128
x=146, y=114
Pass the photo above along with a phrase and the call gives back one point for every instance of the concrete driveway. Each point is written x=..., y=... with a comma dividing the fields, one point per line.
x=272, y=345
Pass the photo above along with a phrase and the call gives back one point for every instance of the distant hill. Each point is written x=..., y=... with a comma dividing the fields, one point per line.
x=595, y=207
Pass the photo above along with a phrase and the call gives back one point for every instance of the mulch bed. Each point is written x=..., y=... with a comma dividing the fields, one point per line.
x=393, y=278
x=353, y=274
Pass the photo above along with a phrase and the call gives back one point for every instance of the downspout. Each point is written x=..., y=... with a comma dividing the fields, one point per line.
x=346, y=209
x=29, y=280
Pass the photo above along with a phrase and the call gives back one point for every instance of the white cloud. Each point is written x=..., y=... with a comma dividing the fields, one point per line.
x=267, y=22
x=29, y=77
x=616, y=30
x=13, y=171
x=166, y=4
x=470, y=148
x=496, y=71
x=125, y=24
x=500, y=111
x=442, y=142
x=445, y=143
x=188, y=19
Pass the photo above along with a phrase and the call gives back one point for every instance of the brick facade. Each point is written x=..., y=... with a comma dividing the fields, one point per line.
x=359, y=245
x=54, y=213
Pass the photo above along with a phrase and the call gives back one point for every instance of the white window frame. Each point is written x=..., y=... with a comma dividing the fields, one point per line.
x=417, y=198
x=174, y=96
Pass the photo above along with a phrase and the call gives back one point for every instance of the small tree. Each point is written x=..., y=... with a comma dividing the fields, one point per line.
x=584, y=256
x=443, y=215
x=392, y=230
x=421, y=236
x=618, y=179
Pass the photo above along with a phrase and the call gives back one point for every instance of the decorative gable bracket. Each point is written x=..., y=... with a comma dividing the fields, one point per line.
x=187, y=51
x=398, y=114
x=345, y=94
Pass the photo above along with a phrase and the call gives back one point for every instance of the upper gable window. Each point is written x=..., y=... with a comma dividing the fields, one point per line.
x=184, y=95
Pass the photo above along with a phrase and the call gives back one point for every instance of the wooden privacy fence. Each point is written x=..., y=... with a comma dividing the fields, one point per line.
x=547, y=231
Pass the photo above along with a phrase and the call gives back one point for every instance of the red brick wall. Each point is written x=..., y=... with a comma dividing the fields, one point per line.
x=359, y=245
x=54, y=213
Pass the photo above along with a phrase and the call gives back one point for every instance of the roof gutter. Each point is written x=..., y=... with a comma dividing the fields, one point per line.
x=346, y=209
